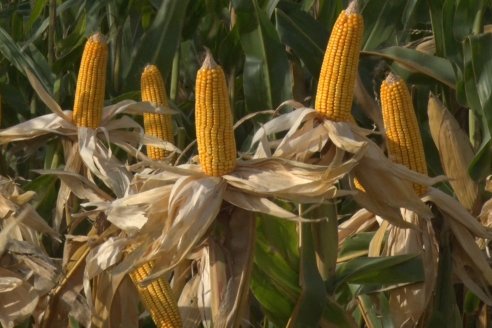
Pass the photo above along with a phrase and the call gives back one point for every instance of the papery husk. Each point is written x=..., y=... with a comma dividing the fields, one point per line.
x=172, y=214
x=204, y=288
x=27, y=275
x=465, y=228
x=367, y=103
x=15, y=209
x=289, y=180
x=115, y=301
x=377, y=241
x=358, y=222
x=188, y=303
x=18, y=299
x=455, y=152
x=231, y=268
x=309, y=134
x=408, y=303
x=100, y=162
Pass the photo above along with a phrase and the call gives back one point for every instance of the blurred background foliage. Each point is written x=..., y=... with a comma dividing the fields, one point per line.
x=271, y=51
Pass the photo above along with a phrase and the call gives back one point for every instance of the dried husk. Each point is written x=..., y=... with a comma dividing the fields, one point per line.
x=455, y=152
x=387, y=185
x=408, y=303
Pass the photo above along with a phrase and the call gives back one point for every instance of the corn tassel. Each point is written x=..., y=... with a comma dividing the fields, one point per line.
x=91, y=82
x=339, y=69
x=402, y=130
x=214, y=130
x=156, y=125
x=157, y=298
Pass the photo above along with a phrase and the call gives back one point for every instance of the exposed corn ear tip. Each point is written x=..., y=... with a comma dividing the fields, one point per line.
x=157, y=125
x=214, y=123
x=91, y=83
x=403, y=137
x=340, y=64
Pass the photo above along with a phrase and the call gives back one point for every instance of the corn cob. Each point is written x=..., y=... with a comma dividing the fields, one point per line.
x=157, y=298
x=91, y=82
x=339, y=69
x=214, y=130
x=402, y=130
x=156, y=125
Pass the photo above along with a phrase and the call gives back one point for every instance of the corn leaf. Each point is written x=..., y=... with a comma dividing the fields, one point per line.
x=164, y=35
x=380, y=20
x=303, y=34
x=309, y=306
x=267, y=79
x=381, y=270
x=437, y=68
x=478, y=88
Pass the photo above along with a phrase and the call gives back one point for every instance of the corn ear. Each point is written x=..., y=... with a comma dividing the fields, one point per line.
x=455, y=151
x=156, y=125
x=214, y=129
x=157, y=298
x=402, y=130
x=339, y=69
x=91, y=83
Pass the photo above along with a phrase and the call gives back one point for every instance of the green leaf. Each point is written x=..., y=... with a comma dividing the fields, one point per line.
x=267, y=76
x=444, y=299
x=336, y=315
x=435, y=67
x=381, y=270
x=158, y=44
x=375, y=309
x=11, y=51
x=278, y=270
x=36, y=11
x=381, y=18
x=478, y=88
x=355, y=246
x=274, y=303
x=310, y=305
x=304, y=35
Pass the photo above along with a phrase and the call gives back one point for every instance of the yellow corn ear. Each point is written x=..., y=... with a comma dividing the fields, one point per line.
x=156, y=125
x=339, y=69
x=157, y=298
x=402, y=129
x=214, y=129
x=91, y=83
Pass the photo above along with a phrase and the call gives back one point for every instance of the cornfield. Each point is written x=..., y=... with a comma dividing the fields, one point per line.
x=245, y=163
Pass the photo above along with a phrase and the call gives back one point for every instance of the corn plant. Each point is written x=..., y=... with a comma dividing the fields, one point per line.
x=295, y=163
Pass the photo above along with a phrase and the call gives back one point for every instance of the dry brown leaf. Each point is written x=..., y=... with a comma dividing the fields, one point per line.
x=381, y=178
x=455, y=152
x=18, y=299
x=356, y=223
x=188, y=303
x=233, y=310
x=408, y=303
x=101, y=162
x=46, y=97
x=367, y=103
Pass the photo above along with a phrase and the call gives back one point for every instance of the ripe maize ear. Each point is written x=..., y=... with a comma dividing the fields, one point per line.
x=214, y=129
x=339, y=69
x=91, y=83
x=157, y=298
x=156, y=125
x=402, y=130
